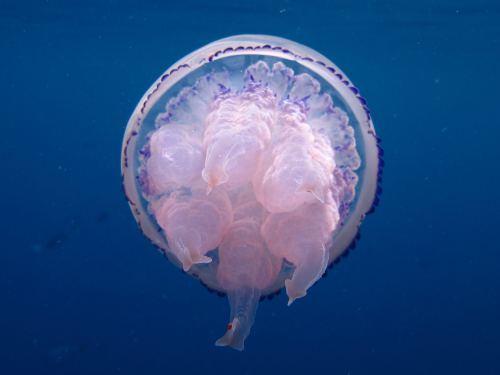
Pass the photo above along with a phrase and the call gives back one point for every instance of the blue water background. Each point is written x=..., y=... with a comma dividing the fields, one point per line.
x=419, y=295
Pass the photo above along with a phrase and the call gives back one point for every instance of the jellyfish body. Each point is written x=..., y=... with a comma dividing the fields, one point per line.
x=251, y=165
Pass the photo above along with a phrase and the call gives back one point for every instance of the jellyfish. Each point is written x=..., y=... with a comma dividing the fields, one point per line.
x=251, y=164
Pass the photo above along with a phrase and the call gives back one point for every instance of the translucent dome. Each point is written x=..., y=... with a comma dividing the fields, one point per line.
x=251, y=164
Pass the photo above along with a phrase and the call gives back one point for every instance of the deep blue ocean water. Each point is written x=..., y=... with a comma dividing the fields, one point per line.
x=83, y=292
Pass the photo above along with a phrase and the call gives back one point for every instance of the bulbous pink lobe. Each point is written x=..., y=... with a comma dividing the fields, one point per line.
x=298, y=166
x=193, y=223
x=238, y=129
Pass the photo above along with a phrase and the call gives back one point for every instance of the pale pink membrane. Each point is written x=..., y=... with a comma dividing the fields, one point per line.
x=303, y=237
x=333, y=123
x=194, y=223
x=279, y=78
x=176, y=155
x=297, y=167
x=238, y=129
x=295, y=182
x=190, y=105
x=327, y=120
x=245, y=267
x=176, y=158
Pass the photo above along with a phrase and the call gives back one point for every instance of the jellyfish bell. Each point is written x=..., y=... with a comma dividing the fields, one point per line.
x=250, y=164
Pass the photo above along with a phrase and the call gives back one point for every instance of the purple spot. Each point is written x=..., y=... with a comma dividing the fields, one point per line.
x=361, y=100
x=223, y=88
x=352, y=245
x=380, y=150
x=358, y=235
x=354, y=90
x=367, y=111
